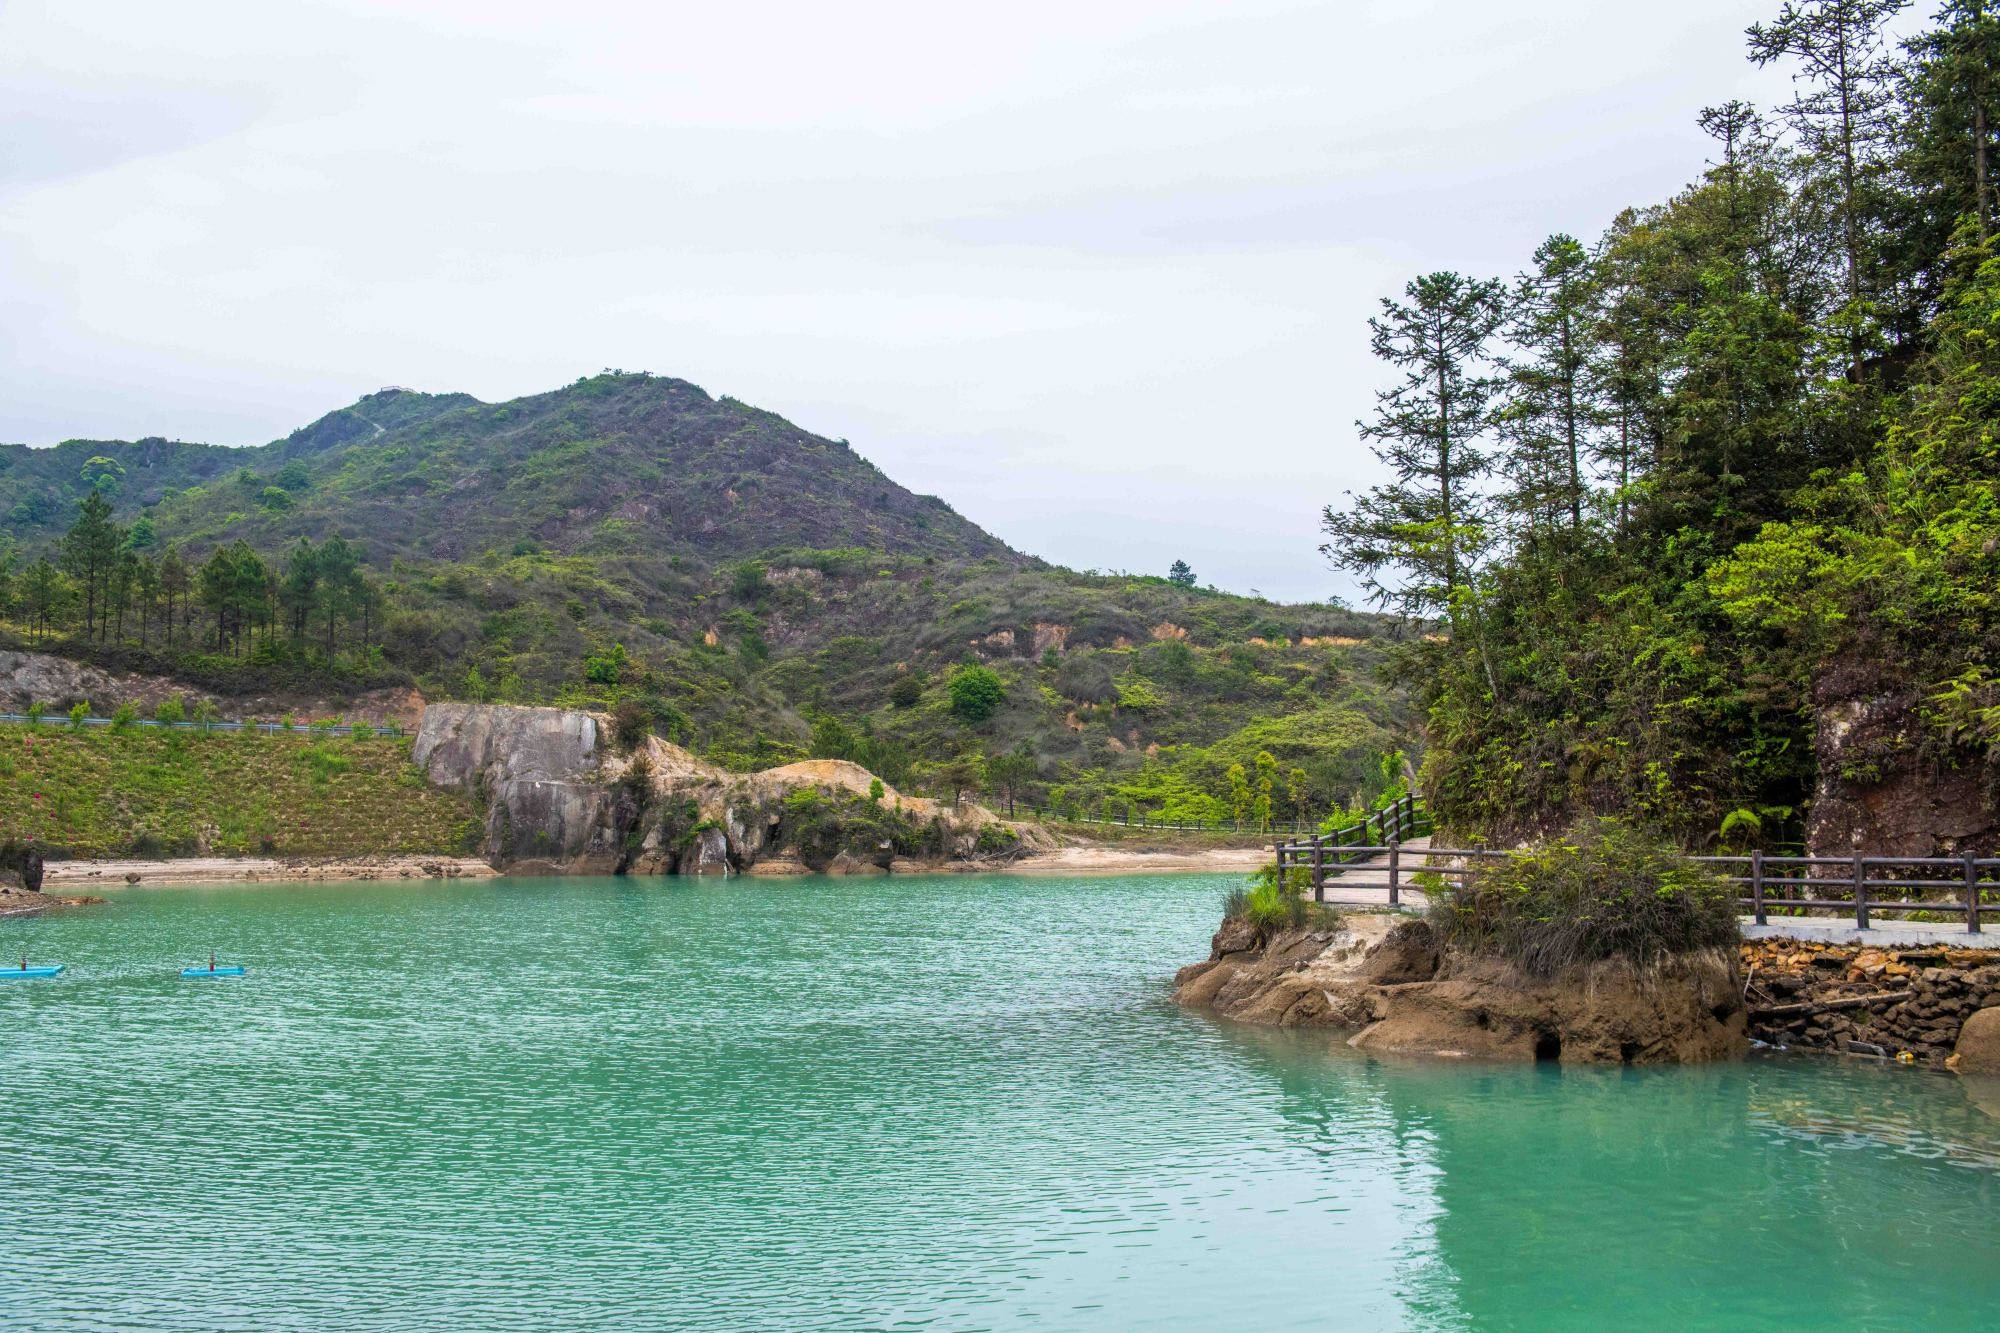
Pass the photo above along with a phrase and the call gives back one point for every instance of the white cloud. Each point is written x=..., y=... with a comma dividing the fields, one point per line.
x=1096, y=274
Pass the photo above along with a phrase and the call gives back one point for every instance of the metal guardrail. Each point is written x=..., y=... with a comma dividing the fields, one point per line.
x=58, y=720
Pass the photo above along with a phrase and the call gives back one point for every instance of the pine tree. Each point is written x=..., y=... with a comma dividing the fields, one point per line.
x=1840, y=114
x=1426, y=523
x=89, y=551
x=42, y=595
x=1550, y=414
x=174, y=584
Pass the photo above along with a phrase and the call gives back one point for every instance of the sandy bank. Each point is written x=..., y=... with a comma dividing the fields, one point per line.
x=1120, y=861
x=254, y=869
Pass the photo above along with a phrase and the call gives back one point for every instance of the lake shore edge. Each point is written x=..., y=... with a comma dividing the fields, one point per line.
x=61, y=875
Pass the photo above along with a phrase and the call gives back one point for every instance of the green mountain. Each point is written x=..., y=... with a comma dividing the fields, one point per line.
x=741, y=584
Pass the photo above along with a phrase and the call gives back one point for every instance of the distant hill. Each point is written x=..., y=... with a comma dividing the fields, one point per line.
x=762, y=591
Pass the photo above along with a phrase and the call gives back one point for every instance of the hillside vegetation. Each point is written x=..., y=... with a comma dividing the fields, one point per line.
x=1712, y=505
x=145, y=793
x=718, y=575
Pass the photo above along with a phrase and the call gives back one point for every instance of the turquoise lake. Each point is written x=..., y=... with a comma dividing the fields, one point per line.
x=939, y=1103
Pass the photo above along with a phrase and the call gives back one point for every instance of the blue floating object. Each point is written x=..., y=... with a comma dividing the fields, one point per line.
x=235, y=970
x=54, y=970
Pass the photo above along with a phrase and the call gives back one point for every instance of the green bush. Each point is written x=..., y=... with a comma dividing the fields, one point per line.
x=169, y=711
x=1272, y=904
x=77, y=715
x=123, y=719
x=976, y=692
x=1601, y=890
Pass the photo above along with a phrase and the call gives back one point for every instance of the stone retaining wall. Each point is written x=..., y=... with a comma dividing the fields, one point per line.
x=1904, y=1004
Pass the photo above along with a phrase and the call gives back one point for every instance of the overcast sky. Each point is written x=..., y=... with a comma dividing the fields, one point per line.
x=1095, y=272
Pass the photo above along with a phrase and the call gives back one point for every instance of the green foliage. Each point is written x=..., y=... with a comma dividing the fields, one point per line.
x=78, y=714
x=606, y=666
x=169, y=711
x=1275, y=903
x=906, y=690
x=1602, y=890
x=976, y=692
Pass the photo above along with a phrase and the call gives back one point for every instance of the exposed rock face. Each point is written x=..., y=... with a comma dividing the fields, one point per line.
x=560, y=802
x=57, y=682
x=1880, y=790
x=548, y=805
x=1387, y=977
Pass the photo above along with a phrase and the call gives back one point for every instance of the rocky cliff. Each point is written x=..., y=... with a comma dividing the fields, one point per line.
x=1387, y=979
x=1885, y=786
x=561, y=799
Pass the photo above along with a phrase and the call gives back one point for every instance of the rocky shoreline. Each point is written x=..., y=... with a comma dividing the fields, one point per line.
x=1386, y=980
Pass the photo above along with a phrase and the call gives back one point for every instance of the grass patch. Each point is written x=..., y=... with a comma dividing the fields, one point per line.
x=101, y=793
x=1601, y=890
x=1272, y=904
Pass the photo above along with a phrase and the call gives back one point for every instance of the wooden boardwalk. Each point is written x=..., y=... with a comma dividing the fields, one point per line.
x=1366, y=883
x=1387, y=859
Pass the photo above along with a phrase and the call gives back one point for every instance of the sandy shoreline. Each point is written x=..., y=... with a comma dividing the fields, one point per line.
x=1118, y=861
x=72, y=875
x=259, y=869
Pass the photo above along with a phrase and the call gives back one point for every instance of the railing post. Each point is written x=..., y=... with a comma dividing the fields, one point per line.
x=1319, y=868
x=1860, y=891
x=1395, y=872
x=1971, y=893
x=1757, y=885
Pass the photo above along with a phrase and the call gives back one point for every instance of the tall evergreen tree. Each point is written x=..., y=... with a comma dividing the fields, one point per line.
x=42, y=595
x=1839, y=114
x=89, y=551
x=1550, y=413
x=1426, y=525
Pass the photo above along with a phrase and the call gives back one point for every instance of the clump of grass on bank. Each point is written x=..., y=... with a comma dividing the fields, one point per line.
x=147, y=793
x=1272, y=904
x=1602, y=890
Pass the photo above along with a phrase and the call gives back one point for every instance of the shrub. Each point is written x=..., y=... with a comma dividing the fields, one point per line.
x=976, y=693
x=630, y=722
x=1601, y=890
x=77, y=715
x=169, y=711
x=907, y=690
x=605, y=667
x=876, y=790
x=1271, y=904
x=361, y=731
x=35, y=711
x=122, y=720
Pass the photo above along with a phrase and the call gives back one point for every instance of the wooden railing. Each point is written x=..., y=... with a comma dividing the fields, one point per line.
x=1965, y=887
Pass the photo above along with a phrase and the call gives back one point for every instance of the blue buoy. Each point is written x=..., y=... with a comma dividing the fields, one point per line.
x=235, y=970
x=30, y=972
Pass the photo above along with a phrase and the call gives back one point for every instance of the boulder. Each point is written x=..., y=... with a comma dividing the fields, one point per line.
x=1978, y=1047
